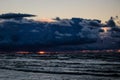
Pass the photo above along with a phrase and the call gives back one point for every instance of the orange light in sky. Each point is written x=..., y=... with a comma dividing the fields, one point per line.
x=46, y=20
x=106, y=29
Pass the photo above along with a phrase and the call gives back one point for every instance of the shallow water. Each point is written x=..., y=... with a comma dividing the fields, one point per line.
x=65, y=66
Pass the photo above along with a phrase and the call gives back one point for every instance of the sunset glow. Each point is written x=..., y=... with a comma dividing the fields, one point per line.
x=64, y=8
x=45, y=20
x=118, y=51
x=106, y=29
x=41, y=52
x=59, y=39
x=23, y=52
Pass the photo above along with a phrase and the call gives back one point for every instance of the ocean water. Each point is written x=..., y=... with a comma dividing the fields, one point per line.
x=62, y=66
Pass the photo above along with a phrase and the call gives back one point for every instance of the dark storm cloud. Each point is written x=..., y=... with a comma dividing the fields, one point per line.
x=15, y=15
x=61, y=32
x=111, y=23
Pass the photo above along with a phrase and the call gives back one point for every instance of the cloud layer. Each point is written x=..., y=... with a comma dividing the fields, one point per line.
x=30, y=33
x=15, y=16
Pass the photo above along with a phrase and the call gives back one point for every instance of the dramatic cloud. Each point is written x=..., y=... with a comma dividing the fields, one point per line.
x=111, y=23
x=30, y=33
x=114, y=21
x=15, y=16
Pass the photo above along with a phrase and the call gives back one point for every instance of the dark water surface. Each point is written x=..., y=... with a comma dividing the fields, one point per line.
x=65, y=66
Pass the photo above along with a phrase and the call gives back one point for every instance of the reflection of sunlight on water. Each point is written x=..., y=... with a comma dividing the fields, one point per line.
x=99, y=51
x=76, y=51
x=118, y=51
x=22, y=52
x=80, y=51
x=41, y=52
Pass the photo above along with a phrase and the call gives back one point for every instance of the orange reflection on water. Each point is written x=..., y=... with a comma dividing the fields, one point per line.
x=41, y=52
x=23, y=52
x=118, y=51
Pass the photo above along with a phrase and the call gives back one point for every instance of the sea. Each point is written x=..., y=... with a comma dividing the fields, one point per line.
x=60, y=66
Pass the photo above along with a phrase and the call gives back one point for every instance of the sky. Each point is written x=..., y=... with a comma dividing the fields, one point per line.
x=90, y=9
